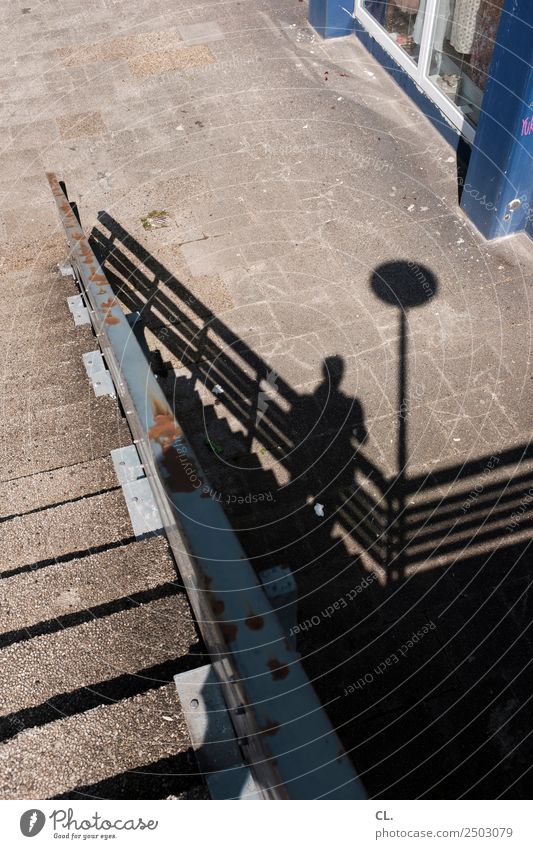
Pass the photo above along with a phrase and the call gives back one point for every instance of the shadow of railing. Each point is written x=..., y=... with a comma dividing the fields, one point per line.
x=273, y=454
x=442, y=515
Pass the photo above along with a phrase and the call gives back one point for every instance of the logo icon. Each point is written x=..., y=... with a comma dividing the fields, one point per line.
x=32, y=822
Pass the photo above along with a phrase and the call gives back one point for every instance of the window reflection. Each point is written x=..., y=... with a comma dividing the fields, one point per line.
x=463, y=40
x=402, y=19
x=463, y=33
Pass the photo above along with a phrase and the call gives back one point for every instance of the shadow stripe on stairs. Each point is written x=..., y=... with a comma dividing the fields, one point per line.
x=69, y=620
x=111, y=691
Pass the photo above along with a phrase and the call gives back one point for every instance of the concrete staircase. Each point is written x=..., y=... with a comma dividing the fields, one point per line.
x=94, y=622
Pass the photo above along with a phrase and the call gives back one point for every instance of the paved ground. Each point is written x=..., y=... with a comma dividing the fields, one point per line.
x=274, y=204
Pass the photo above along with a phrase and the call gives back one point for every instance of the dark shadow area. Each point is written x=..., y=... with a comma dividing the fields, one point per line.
x=464, y=152
x=105, y=692
x=70, y=620
x=414, y=591
x=168, y=777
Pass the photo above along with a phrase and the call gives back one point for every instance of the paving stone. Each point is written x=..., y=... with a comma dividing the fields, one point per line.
x=80, y=125
x=121, y=47
x=170, y=60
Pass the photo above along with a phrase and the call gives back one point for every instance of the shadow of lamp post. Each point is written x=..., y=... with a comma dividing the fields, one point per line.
x=404, y=285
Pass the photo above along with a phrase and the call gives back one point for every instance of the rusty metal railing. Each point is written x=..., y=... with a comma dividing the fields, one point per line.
x=286, y=736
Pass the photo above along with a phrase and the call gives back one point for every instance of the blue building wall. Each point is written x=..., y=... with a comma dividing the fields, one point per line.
x=497, y=172
x=501, y=165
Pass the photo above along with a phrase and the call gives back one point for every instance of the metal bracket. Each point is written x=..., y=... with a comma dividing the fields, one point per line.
x=78, y=309
x=213, y=737
x=128, y=466
x=140, y=501
x=98, y=374
x=280, y=589
x=65, y=269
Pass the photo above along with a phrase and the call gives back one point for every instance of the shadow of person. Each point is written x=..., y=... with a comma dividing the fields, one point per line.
x=328, y=428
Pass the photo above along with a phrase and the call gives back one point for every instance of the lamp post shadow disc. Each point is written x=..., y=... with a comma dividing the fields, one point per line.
x=404, y=284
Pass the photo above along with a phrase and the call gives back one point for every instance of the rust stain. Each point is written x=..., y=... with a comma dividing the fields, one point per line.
x=110, y=303
x=206, y=581
x=271, y=727
x=279, y=670
x=217, y=606
x=182, y=475
x=254, y=622
x=164, y=429
x=229, y=631
x=111, y=319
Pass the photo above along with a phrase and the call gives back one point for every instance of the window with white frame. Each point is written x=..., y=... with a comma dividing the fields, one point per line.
x=445, y=45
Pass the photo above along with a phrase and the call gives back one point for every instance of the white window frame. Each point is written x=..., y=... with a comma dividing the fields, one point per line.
x=418, y=71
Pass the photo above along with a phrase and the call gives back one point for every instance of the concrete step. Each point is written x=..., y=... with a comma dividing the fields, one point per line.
x=99, y=744
x=67, y=367
x=80, y=526
x=55, y=325
x=42, y=353
x=65, y=589
x=39, y=491
x=30, y=304
x=123, y=643
x=26, y=397
x=65, y=436
x=38, y=283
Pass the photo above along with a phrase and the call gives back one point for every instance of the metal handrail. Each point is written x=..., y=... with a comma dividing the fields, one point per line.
x=286, y=736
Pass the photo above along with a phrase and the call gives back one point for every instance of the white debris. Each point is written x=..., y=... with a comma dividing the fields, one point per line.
x=319, y=510
x=456, y=439
x=450, y=159
x=410, y=207
x=217, y=389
